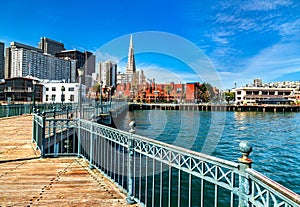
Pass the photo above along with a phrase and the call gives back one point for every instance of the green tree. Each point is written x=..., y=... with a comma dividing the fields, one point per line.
x=229, y=96
x=205, y=93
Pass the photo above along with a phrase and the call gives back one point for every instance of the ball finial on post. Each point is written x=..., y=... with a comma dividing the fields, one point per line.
x=245, y=148
x=132, y=125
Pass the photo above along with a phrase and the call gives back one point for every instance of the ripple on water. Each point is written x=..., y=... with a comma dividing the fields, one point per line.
x=274, y=137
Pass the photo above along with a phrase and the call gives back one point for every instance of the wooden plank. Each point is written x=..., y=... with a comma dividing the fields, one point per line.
x=26, y=180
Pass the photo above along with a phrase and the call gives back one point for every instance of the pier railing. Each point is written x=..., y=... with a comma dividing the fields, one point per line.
x=154, y=173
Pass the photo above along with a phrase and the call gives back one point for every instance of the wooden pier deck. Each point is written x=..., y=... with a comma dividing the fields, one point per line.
x=28, y=180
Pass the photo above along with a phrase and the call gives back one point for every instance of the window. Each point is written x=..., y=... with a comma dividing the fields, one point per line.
x=53, y=89
x=71, y=89
x=71, y=97
x=53, y=97
x=47, y=97
x=47, y=89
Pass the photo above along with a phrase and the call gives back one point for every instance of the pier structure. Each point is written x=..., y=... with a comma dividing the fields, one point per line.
x=26, y=179
x=70, y=156
x=214, y=107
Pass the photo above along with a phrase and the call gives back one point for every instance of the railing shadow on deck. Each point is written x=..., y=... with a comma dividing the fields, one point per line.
x=154, y=173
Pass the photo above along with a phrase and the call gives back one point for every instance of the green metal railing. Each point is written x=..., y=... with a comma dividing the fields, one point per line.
x=154, y=173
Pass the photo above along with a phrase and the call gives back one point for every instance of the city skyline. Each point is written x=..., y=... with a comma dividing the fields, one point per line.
x=242, y=40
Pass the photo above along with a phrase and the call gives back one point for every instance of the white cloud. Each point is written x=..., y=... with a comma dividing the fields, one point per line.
x=274, y=62
x=271, y=64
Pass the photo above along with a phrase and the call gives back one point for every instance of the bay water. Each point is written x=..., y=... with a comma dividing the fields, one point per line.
x=275, y=137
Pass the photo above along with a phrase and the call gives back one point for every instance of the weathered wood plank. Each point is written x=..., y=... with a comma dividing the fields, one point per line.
x=26, y=180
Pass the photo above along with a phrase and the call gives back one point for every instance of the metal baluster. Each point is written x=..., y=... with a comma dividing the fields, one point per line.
x=91, y=166
x=202, y=185
x=179, y=186
x=43, y=150
x=140, y=178
x=170, y=186
x=231, y=193
x=153, y=182
x=216, y=187
x=190, y=189
x=146, y=184
x=161, y=184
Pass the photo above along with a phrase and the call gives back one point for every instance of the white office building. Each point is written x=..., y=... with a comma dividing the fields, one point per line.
x=63, y=92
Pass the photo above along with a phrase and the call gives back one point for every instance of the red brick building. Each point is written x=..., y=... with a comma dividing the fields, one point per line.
x=163, y=93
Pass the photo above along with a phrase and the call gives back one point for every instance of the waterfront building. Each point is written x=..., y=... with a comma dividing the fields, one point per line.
x=50, y=46
x=108, y=73
x=59, y=92
x=151, y=92
x=259, y=92
x=20, y=90
x=1, y=60
x=250, y=95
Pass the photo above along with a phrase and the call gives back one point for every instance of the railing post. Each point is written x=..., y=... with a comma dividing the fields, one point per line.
x=130, y=197
x=79, y=138
x=91, y=166
x=34, y=128
x=43, y=150
x=244, y=181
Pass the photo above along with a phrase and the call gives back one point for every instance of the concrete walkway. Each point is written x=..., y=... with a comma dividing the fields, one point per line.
x=27, y=180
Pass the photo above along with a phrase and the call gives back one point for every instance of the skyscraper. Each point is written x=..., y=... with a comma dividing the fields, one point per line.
x=130, y=68
x=1, y=60
x=85, y=60
x=108, y=73
x=24, y=60
x=50, y=46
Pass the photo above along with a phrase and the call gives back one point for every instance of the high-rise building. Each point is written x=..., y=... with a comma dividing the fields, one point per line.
x=85, y=60
x=50, y=46
x=1, y=60
x=7, y=63
x=24, y=60
x=108, y=73
x=130, y=68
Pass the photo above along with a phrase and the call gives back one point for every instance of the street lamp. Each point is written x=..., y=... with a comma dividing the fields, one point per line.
x=34, y=82
x=80, y=74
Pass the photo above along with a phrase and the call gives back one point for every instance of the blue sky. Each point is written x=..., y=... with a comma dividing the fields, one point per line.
x=242, y=40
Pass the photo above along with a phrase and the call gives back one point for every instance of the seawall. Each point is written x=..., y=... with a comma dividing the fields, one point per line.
x=209, y=107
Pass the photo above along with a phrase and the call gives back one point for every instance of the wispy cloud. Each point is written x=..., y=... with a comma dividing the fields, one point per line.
x=276, y=61
x=266, y=5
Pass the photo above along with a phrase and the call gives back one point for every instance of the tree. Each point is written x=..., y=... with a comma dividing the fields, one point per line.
x=229, y=96
x=205, y=93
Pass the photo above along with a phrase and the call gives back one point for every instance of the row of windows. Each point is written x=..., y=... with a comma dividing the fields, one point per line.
x=54, y=89
x=62, y=98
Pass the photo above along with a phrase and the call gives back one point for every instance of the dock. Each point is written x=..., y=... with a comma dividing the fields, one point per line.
x=26, y=179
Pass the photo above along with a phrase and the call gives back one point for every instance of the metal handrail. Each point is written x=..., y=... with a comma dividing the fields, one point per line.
x=154, y=173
